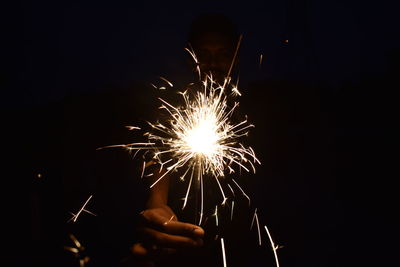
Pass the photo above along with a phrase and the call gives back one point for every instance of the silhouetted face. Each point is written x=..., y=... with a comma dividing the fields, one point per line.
x=215, y=53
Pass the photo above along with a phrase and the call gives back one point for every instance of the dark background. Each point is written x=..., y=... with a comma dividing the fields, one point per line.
x=65, y=46
x=348, y=52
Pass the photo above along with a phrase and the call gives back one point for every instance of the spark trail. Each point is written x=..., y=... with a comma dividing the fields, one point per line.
x=199, y=137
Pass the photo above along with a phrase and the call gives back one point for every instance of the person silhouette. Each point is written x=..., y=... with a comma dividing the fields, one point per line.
x=213, y=39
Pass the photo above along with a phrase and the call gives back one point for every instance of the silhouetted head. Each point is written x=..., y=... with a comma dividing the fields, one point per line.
x=214, y=38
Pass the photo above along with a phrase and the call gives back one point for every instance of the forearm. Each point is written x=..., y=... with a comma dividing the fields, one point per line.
x=158, y=194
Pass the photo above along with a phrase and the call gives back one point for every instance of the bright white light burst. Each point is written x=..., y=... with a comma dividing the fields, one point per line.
x=200, y=134
x=200, y=137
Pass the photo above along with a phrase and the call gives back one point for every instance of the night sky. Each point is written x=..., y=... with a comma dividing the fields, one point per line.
x=348, y=51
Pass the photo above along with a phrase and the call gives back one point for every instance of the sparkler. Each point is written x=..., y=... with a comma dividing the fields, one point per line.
x=200, y=138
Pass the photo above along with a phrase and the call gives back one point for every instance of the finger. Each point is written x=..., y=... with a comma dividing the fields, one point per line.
x=170, y=226
x=170, y=241
x=139, y=250
x=153, y=218
x=183, y=229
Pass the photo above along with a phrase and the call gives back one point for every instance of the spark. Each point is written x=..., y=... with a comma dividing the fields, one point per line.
x=233, y=204
x=216, y=215
x=223, y=251
x=78, y=250
x=196, y=61
x=130, y=128
x=261, y=59
x=235, y=90
x=76, y=241
x=201, y=199
x=71, y=249
x=188, y=190
x=254, y=217
x=170, y=219
x=227, y=79
x=128, y=146
x=162, y=87
x=82, y=209
x=168, y=82
x=274, y=248
x=258, y=228
x=230, y=188
x=222, y=192
x=241, y=190
x=143, y=168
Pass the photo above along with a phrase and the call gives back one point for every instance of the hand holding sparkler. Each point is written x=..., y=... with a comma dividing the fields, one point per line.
x=195, y=140
x=163, y=234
